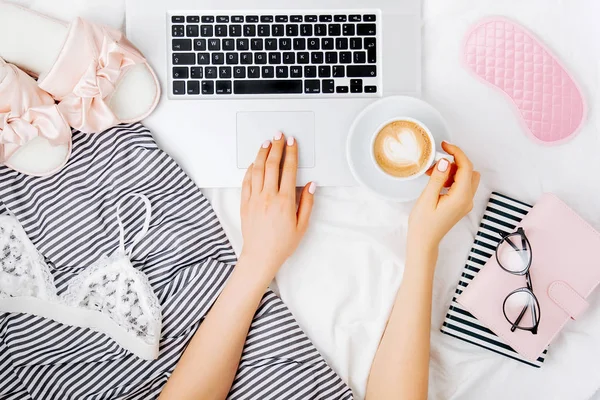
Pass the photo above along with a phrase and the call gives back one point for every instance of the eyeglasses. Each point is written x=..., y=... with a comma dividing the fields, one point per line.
x=521, y=308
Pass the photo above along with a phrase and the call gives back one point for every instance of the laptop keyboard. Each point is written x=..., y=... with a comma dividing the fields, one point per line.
x=274, y=54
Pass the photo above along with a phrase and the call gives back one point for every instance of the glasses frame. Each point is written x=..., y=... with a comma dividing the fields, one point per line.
x=536, y=312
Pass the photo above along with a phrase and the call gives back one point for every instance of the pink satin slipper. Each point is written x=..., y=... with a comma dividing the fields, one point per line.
x=100, y=79
x=35, y=139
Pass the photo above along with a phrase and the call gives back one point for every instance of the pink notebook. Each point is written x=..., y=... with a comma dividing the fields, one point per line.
x=565, y=269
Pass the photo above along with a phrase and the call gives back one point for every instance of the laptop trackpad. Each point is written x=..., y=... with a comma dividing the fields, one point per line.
x=253, y=128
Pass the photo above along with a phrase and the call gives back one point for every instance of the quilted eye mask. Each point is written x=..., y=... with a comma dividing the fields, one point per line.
x=512, y=59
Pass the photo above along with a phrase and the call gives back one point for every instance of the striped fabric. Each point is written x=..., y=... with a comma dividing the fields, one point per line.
x=187, y=258
x=501, y=215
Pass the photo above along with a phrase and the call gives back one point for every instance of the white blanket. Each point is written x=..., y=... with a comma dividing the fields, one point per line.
x=342, y=280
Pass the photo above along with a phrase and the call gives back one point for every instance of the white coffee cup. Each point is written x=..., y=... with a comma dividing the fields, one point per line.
x=434, y=157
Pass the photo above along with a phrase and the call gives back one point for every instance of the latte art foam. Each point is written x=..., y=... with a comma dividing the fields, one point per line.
x=402, y=148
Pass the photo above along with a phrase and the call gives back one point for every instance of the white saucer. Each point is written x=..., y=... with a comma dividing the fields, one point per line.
x=358, y=148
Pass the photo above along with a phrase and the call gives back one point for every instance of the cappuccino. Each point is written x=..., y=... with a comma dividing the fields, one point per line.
x=402, y=148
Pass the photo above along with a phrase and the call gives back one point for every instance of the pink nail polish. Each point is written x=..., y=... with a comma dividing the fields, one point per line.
x=290, y=141
x=266, y=144
x=443, y=165
x=312, y=188
x=278, y=136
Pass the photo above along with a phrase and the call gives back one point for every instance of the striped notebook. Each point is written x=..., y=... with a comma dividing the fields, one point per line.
x=501, y=215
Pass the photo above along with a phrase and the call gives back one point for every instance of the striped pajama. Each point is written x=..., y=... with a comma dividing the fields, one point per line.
x=70, y=217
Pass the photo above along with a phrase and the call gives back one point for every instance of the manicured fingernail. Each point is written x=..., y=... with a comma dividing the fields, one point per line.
x=278, y=136
x=312, y=188
x=291, y=141
x=447, y=142
x=266, y=144
x=443, y=165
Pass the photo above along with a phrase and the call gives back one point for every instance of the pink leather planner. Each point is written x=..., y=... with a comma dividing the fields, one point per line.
x=565, y=269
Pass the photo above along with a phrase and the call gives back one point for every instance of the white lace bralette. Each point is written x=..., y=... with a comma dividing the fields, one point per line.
x=110, y=296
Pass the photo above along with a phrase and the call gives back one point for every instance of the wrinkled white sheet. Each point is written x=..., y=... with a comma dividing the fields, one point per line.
x=341, y=282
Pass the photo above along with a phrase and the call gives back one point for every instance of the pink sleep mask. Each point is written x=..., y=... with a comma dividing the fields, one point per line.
x=512, y=59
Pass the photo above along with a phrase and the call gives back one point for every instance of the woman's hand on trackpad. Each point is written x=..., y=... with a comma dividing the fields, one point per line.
x=272, y=224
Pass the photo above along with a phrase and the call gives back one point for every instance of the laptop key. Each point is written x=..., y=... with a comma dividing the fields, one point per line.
x=225, y=72
x=276, y=86
x=246, y=58
x=356, y=43
x=369, y=18
x=203, y=58
x=208, y=87
x=327, y=44
x=313, y=44
x=239, y=72
x=271, y=44
x=320, y=30
x=256, y=44
x=177, y=30
x=289, y=58
x=300, y=44
x=252, y=18
x=200, y=44
x=324, y=71
x=366, y=29
x=218, y=58
x=341, y=43
x=260, y=58
x=180, y=72
x=370, y=89
x=296, y=72
x=341, y=89
x=282, y=71
x=303, y=57
x=207, y=19
x=237, y=18
x=296, y=18
x=264, y=30
x=193, y=87
x=181, y=44
x=356, y=71
x=325, y=18
x=310, y=18
x=249, y=30
x=278, y=30
x=328, y=86
x=339, y=71
x=291, y=30
x=232, y=58
x=355, y=18
x=228, y=44
x=192, y=31
x=253, y=72
x=356, y=85
x=223, y=19
x=266, y=18
x=191, y=19
x=312, y=86
x=371, y=46
x=268, y=72
x=340, y=18
x=274, y=58
x=214, y=44
x=345, y=57
x=360, y=57
x=331, y=57
x=178, y=87
x=235, y=30
x=206, y=31
x=223, y=87
x=184, y=59
x=177, y=19
x=306, y=30
x=348, y=29
x=243, y=44
x=335, y=29
x=316, y=57
x=221, y=30
x=310, y=71
x=285, y=44
x=281, y=18
x=196, y=73
x=210, y=72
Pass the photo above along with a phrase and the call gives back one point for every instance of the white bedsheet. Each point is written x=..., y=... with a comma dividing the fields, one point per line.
x=342, y=280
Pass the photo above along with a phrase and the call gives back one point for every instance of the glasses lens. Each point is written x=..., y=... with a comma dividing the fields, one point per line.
x=522, y=309
x=514, y=254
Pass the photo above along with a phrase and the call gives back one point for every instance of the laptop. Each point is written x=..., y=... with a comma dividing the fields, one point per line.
x=235, y=72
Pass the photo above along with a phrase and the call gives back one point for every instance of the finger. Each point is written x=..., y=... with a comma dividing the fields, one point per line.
x=475, y=182
x=450, y=180
x=307, y=199
x=258, y=168
x=464, y=170
x=274, y=164
x=290, y=167
x=247, y=186
x=439, y=176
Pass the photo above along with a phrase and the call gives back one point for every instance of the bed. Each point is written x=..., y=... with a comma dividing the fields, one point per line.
x=342, y=281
